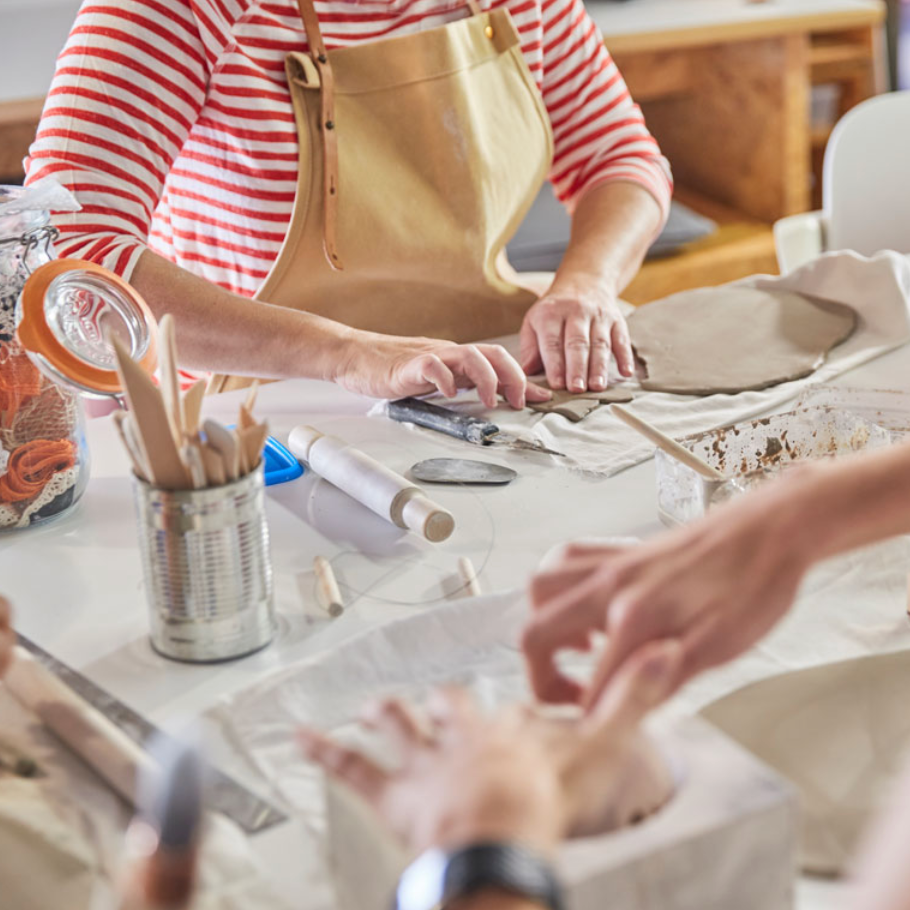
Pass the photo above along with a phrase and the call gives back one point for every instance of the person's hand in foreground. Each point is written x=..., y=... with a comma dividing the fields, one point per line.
x=717, y=585
x=387, y=366
x=514, y=776
x=7, y=635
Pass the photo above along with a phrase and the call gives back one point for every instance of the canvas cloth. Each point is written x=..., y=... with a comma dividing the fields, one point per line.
x=878, y=288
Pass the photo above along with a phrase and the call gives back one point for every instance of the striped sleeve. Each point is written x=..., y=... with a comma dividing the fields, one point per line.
x=129, y=85
x=599, y=132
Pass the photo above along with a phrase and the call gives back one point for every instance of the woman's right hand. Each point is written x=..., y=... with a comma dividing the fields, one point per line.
x=717, y=585
x=389, y=366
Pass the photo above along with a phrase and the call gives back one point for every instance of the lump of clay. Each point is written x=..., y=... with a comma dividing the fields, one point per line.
x=729, y=339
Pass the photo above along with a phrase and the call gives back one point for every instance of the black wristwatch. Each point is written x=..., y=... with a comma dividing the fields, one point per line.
x=436, y=878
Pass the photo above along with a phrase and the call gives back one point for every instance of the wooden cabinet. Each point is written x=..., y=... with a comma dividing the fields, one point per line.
x=726, y=86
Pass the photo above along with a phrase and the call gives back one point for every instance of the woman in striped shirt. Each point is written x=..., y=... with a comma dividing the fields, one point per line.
x=172, y=123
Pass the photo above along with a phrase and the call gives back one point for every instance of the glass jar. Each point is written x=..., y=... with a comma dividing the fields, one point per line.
x=44, y=462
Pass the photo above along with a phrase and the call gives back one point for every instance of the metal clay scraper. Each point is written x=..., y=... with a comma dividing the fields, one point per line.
x=462, y=426
x=57, y=692
x=462, y=470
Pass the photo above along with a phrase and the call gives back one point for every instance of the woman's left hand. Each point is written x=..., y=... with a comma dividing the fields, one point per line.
x=515, y=775
x=571, y=333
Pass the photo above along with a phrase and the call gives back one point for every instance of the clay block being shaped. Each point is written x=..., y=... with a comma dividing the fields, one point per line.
x=726, y=840
x=839, y=732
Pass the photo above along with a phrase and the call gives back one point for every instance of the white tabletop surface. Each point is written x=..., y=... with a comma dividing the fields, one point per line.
x=76, y=583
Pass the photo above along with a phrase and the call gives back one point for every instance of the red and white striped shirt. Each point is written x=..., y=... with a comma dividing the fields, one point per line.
x=171, y=122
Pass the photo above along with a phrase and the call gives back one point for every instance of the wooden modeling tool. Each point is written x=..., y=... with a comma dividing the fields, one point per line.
x=121, y=422
x=668, y=445
x=252, y=441
x=165, y=467
x=250, y=402
x=469, y=576
x=192, y=407
x=242, y=458
x=373, y=484
x=224, y=443
x=327, y=592
x=192, y=458
x=214, y=466
x=170, y=380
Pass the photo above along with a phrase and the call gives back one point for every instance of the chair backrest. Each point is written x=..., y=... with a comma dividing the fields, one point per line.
x=866, y=188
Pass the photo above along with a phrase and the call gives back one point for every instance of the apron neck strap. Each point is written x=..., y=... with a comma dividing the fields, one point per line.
x=314, y=33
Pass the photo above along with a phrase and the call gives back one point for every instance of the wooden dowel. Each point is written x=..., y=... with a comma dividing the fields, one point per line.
x=327, y=592
x=668, y=445
x=469, y=576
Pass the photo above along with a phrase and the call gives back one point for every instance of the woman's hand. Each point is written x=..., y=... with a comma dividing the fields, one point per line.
x=571, y=333
x=718, y=586
x=388, y=366
x=7, y=635
x=515, y=775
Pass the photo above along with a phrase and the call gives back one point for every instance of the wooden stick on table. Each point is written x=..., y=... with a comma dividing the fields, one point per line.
x=469, y=576
x=327, y=592
x=668, y=445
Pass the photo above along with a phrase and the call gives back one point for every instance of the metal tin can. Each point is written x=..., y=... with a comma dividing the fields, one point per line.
x=208, y=569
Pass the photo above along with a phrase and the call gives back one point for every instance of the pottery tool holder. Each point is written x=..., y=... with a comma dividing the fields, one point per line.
x=372, y=484
x=727, y=839
x=207, y=568
x=200, y=506
x=749, y=453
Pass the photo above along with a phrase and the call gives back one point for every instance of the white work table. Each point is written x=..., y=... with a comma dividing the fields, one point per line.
x=77, y=586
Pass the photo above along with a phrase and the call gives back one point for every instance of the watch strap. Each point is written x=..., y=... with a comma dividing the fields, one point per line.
x=510, y=867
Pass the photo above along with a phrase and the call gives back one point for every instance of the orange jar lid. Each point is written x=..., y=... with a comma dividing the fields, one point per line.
x=68, y=308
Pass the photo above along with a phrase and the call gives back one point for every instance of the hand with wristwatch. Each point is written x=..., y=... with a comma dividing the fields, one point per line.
x=484, y=800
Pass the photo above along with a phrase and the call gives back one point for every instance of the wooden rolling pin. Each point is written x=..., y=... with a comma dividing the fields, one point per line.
x=102, y=745
x=374, y=485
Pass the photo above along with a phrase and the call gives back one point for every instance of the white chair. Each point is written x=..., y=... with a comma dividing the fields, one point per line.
x=865, y=188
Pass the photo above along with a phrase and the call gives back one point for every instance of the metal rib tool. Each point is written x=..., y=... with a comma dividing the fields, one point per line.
x=223, y=793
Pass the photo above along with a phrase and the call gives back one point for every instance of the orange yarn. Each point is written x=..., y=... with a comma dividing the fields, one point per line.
x=32, y=465
x=20, y=379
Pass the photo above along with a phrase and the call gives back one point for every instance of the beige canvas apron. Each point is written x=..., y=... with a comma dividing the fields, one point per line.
x=419, y=157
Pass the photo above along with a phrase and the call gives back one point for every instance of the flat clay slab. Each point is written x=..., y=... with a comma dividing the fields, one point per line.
x=727, y=340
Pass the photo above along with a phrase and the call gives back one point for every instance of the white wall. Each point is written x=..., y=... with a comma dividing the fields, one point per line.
x=32, y=32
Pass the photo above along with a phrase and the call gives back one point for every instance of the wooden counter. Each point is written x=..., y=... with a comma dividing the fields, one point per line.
x=725, y=86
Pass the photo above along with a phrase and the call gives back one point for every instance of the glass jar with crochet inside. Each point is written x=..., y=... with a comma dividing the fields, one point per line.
x=44, y=461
